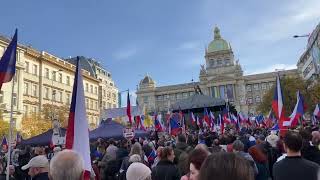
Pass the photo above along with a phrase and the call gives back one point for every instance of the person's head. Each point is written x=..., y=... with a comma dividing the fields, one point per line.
x=135, y=158
x=181, y=138
x=38, y=164
x=316, y=138
x=124, y=143
x=257, y=154
x=68, y=165
x=56, y=150
x=221, y=166
x=292, y=142
x=112, y=142
x=196, y=158
x=138, y=171
x=260, y=139
x=167, y=153
x=203, y=147
x=11, y=170
x=101, y=149
x=159, y=151
x=136, y=149
x=237, y=146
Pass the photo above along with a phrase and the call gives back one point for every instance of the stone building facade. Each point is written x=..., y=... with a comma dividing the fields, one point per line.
x=309, y=62
x=42, y=78
x=221, y=76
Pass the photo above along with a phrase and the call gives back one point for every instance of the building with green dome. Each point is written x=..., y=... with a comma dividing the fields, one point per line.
x=221, y=76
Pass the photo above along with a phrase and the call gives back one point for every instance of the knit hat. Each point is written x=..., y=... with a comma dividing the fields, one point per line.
x=138, y=171
x=272, y=139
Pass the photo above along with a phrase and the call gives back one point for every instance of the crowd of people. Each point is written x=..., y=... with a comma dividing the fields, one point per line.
x=250, y=154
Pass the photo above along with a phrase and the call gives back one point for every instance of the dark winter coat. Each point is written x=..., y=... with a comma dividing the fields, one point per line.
x=311, y=153
x=165, y=170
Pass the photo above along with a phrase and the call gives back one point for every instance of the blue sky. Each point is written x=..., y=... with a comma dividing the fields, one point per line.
x=166, y=38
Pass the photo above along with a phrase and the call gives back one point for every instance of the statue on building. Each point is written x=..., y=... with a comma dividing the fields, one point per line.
x=197, y=89
x=203, y=70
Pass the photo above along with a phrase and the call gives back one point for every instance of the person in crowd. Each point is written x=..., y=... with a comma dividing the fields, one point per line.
x=138, y=171
x=166, y=169
x=38, y=167
x=196, y=158
x=316, y=138
x=203, y=147
x=238, y=148
x=308, y=150
x=123, y=149
x=261, y=162
x=222, y=166
x=293, y=166
x=181, y=154
x=67, y=165
x=108, y=165
x=157, y=159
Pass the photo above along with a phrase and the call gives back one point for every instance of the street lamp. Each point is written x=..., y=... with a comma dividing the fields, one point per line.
x=299, y=36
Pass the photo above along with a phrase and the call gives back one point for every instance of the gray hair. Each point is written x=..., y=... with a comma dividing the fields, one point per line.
x=135, y=158
x=136, y=149
x=67, y=165
x=238, y=145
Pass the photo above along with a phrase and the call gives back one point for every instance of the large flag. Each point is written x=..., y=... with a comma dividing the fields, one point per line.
x=221, y=124
x=226, y=116
x=129, y=108
x=297, y=112
x=77, y=137
x=8, y=61
x=199, y=122
x=212, y=121
x=277, y=103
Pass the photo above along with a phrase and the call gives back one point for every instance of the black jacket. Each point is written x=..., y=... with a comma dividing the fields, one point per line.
x=295, y=168
x=165, y=170
x=41, y=176
x=310, y=153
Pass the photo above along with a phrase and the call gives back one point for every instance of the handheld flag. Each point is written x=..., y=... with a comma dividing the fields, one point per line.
x=206, y=119
x=157, y=123
x=129, y=108
x=77, y=137
x=316, y=111
x=8, y=61
x=193, y=119
x=297, y=112
x=277, y=103
x=174, y=126
x=4, y=143
x=226, y=116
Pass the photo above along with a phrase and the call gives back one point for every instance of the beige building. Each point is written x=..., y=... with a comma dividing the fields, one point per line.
x=43, y=78
x=220, y=77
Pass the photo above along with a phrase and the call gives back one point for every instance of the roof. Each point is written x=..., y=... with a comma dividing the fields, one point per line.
x=218, y=44
x=85, y=64
x=147, y=80
x=198, y=101
x=177, y=86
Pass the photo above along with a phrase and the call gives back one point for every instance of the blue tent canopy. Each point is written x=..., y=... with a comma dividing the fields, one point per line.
x=42, y=139
x=111, y=129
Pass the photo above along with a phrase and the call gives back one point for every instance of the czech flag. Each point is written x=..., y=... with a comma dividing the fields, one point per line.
x=297, y=112
x=221, y=124
x=277, y=103
x=129, y=108
x=206, y=118
x=8, y=61
x=199, y=123
x=212, y=120
x=193, y=119
x=226, y=116
x=77, y=137
x=316, y=111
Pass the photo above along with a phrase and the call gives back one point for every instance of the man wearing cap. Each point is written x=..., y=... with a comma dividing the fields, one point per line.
x=38, y=168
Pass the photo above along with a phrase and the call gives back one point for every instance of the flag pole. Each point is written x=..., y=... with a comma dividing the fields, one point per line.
x=10, y=132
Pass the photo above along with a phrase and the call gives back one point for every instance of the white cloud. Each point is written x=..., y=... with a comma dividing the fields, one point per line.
x=292, y=19
x=125, y=54
x=272, y=68
x=188, y=45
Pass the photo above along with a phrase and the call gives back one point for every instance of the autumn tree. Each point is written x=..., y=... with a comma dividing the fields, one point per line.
x=34, y=124
x=290, y=85
x=4, y=128
x=60, y=112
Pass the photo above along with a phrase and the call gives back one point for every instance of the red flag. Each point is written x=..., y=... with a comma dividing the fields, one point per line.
x=129, y=109
x=77, y=137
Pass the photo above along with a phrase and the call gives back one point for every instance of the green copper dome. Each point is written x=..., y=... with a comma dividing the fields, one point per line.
x=218, y=44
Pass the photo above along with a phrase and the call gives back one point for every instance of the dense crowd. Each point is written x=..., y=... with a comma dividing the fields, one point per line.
x=251, y=154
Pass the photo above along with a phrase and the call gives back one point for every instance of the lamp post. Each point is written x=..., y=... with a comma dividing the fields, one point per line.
x=299, y=36
x=53, y=93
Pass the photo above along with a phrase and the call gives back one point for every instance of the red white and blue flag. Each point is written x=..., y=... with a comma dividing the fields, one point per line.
x=206, y=119
x=77, y=137
x=157, y=124
x=277, y=103
x=8, y=61
x=226, y=116
x=316, y=111
x=129, y=108
x=199, y=123
x=297, y=112
x=4, y=143
x=174, y=127
x=212, y=120
x=193, y=119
